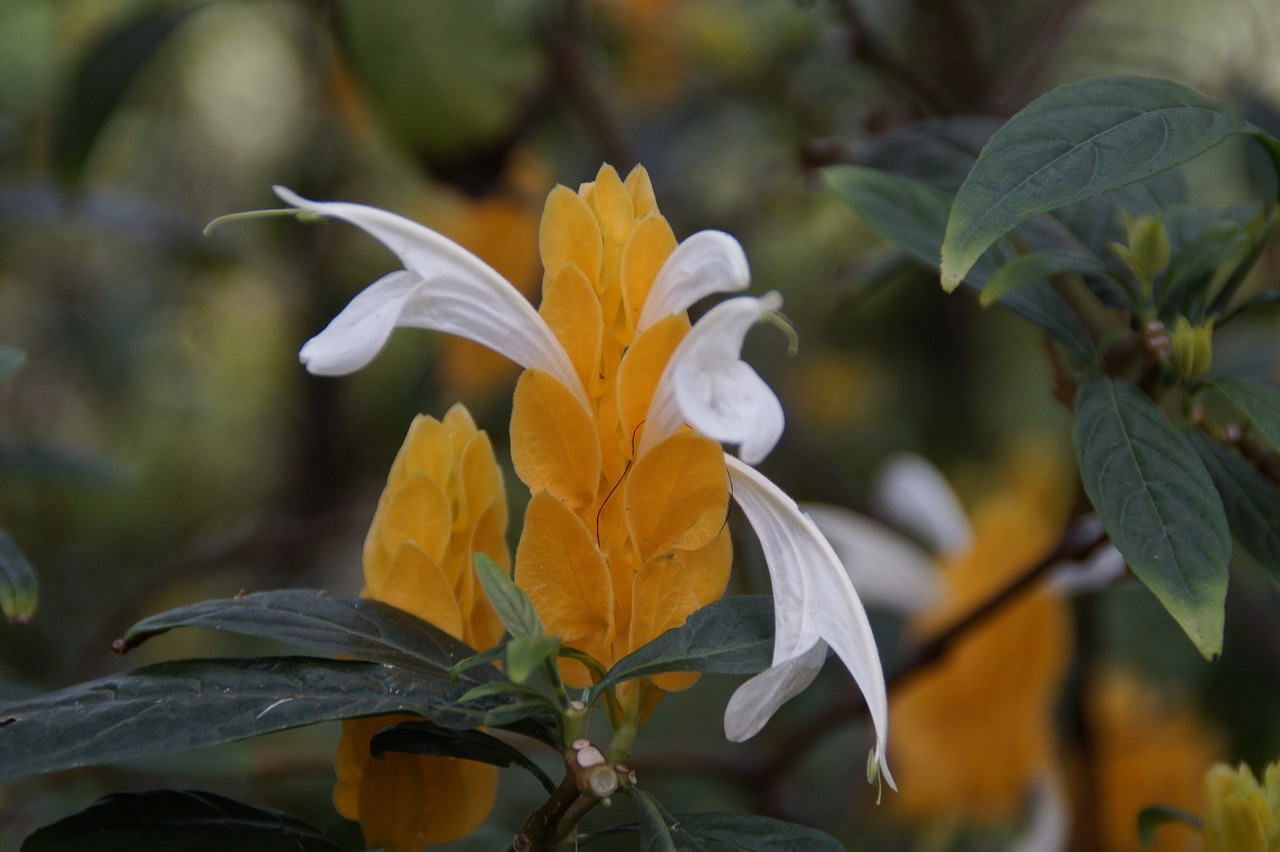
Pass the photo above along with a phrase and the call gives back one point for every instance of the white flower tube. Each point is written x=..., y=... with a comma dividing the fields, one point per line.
x=814, y=603
x=707, y=384
x=705, y=263
x=444, y=288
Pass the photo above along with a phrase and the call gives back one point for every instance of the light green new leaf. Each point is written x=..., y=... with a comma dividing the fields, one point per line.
x=1076, y=142
x=178, y=821
x=1260, y=403
x=526, y=654
x=1157, y=503
x=18, y=588
x=514, y=609
x=11, y=358
x=1252, y=501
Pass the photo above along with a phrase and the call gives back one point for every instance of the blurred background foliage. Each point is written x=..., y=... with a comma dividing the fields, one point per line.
x=161, y=445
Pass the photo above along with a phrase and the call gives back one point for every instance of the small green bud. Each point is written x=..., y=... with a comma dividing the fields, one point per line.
x=1192, y=347
x=1148, y=252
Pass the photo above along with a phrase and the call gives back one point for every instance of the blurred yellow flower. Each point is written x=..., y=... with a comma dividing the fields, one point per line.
x=1243, y=815
x=444, y=501
x=974, y=735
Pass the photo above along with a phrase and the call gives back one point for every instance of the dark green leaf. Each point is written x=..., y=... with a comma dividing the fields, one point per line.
x=1151, y=818
x=1037, y=266
x=525, y=713
x=1262, y=301
x=429, y=738
x=733, y=635
x=18, y=588
x=497, y=652
x=509, y=600
x=1260, y=403
x=712, y=832
x=102, y=79
x=1157, y=503
x=11, y=359
x=1222, y=244
x=1252, y=501
x=178, y=821
x=527, y=654
x=306, y=618
x=1076, y=142
x=190, y=703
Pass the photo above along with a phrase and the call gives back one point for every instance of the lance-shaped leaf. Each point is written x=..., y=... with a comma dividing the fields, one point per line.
x=1252, y=501
x=429, y=738
x=18, y=588
x=733, y=635
x=178, y=821
x=512, y=605
x=1077, y=142
x=1037, y=266
x=190, y=703
x=1157, y=503
x=1260, y=403
x=712, y=832
x=348, y=626
x=11, y=358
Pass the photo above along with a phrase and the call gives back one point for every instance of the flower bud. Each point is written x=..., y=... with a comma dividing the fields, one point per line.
x=1192, y=347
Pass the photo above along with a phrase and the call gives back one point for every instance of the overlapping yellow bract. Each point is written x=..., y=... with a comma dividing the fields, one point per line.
x=1243, y=816
x=615, y=550
x=444, y=501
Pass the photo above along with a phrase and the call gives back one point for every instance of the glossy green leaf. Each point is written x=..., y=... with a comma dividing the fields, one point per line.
x=426, y=737
x=1076, y=142
x=190, y=703
x=178, y=821
x=19, y=590
x=718, y=832
x=512, y=605
x=1151, y=818
x=11, y=358
x=1036, y=266
x=733, y=635
x=305, y=618
x=1260, y=403
x=1157, y=503
x=1251, y=501
x=99, y=84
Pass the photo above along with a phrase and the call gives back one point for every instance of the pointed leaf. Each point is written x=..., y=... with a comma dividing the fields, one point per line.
x=1252, y=501
x=1151, y=818
x=528, y=653
x=430, y=738
x=11, y=358
x=178, y=821
x=306, y=618
x=718, y=832
x=733, y=635
x=1260, y=403
x=18, y=587
x=190, y=703
x=1157, y=503
x=1077, y=142
x=1037, y=266
x=509, y=601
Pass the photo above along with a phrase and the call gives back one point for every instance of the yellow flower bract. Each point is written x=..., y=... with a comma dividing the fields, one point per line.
x=444, y=501
x=615, y=549
x=1244, y=816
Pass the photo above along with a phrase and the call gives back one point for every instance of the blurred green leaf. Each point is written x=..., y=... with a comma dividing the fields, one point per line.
x=178, y=821
x=429, y=738
x=189, y=703
x=527, y=654
x=1157, y=503
x=1260, y=403
x=512, y=605
x=1036, y=266
x=19, y=590
x=11, y=358
x=305, y=618
x=1075, y=142
x=1220, y=243
x=712, y=832
x=1251, y=501
x=733, y=635
x=1151, y=818
x=100, y=81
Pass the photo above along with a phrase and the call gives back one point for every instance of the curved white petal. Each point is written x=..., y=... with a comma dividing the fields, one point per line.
x=913, y=494
x=755, y=701
x=886, y=568
x=705, y=263
x=814, y=601
x=707, y=384
x=1049, y=826
x=1099, y=570
x=454, y=292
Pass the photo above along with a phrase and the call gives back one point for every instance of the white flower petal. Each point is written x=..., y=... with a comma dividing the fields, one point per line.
x=755, y=701
x=705, y=263
x=1049, y=827
x=454, y=292
x=814, y=601
x=913, y=494
x=707, y=384
x=886, y=568
x=1099, y=570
